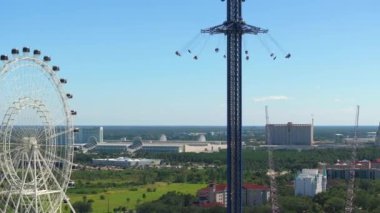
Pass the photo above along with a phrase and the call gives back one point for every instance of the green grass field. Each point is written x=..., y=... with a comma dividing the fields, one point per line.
x=119, y=197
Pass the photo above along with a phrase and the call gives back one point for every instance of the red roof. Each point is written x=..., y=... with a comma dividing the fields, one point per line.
x=223, y=187
x=218, y=188
x=255, y=186
x=377, y=160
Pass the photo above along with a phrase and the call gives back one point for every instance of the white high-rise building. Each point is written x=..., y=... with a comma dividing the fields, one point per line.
x=101, y=137
x=310, y=182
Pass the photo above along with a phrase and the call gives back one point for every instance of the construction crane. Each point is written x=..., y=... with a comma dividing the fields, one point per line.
x=266, y=115
x=271, y=171
x=350, y=194
x=377, y=140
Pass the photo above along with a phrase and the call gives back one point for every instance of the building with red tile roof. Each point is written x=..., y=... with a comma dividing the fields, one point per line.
x=364, y=169
x=216, y=194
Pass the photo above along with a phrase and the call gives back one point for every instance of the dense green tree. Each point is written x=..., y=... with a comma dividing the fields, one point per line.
x=82, y=206
x=174, y=202
x=296, y=204
x=334, y=204
x=258, y=209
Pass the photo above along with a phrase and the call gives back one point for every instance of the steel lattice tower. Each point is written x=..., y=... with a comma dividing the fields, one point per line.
x=377, y=139
x=234, y=28
x=350, y=193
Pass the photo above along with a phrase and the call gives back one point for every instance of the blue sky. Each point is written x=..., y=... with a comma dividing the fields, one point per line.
x=119, y=59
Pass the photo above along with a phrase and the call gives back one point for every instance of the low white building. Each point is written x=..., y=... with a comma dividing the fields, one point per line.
x=175, y=146
x=204, y=147
x=163, y=145
x=310, y=182
x=126, y=162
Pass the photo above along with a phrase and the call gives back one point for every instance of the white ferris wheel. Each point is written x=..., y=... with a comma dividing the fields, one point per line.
x=36, y=134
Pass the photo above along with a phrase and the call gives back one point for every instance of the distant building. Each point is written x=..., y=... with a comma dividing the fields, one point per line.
x=136, y=145
x=216, y=195
x=96, y=144
x=339, y=138
x=310, y=182
x=89, y=135
x=375, y=164
x=362, y=140
x=289, y=134
x=155, y=146
x=364, y=169
x=106, y=147
x=202, y=138
x=162, y=148
x=371, y=135
x=204, y=147
x=163, y=138
x=126, y=162
x=101, y=136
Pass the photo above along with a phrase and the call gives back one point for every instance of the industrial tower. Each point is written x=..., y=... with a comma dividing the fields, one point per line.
x=271, y=171
x=377, y=140
x=234, y=28
x=350, y=193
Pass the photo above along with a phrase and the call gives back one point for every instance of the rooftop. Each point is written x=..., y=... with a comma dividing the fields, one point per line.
x=223, y=187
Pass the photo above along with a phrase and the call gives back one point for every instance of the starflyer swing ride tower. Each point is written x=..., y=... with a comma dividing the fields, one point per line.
x=234, y=28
